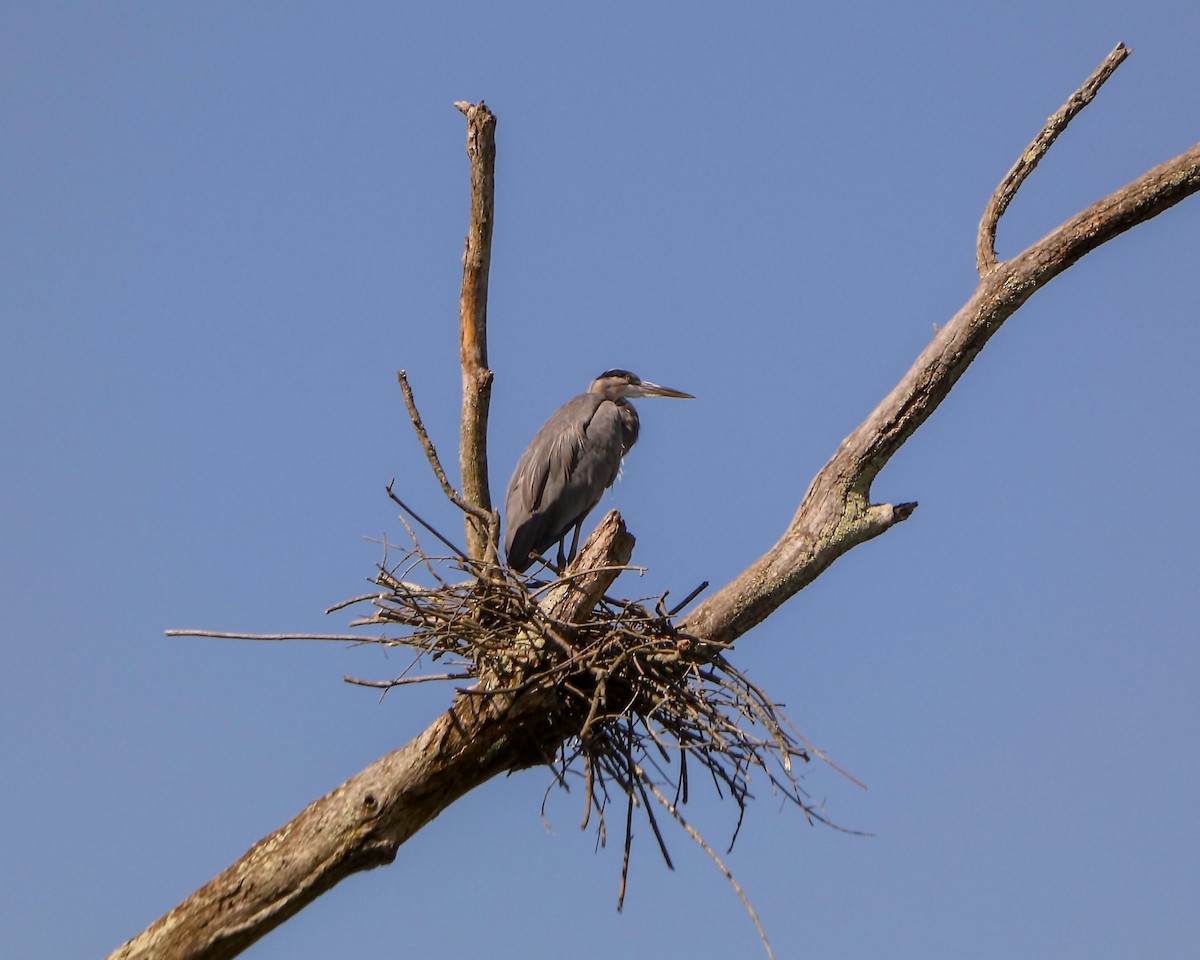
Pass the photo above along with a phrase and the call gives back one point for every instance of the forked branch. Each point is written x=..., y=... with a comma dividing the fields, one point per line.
x=836, y=513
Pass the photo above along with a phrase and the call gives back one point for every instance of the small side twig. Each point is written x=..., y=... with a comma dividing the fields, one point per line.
x=275, y=637
x=483, y=517
x=407, y=509
x=688, y=599
x=700, y=841
x=402, y=681
x=985, y=247
x=628, y=848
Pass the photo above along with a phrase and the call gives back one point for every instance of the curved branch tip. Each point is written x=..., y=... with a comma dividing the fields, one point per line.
x=985, y=245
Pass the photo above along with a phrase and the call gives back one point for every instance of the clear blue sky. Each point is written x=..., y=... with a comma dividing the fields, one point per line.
x=227, y=225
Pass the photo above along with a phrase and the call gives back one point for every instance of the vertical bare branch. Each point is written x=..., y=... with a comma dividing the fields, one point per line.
x=985, y=247
x=477, y=378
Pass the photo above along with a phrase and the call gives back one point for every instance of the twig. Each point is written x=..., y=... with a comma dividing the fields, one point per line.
x=220, y=635
x=351, y=602
x=588, y=780
x=402, y=681
x=566, y=578
x=641, y=782
x=688, y=599
x=423, y=560
x=628, y=836
x=407, y=509
x=483, y=516
x=985, y=247
x=700, y=841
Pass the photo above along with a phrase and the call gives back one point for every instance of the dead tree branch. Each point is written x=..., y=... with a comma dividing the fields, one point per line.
x=836, y=513
x=472, y=322
x=362, y=823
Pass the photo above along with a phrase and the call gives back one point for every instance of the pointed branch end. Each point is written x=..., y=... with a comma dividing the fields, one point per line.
x=883, y=516
x=902, y=511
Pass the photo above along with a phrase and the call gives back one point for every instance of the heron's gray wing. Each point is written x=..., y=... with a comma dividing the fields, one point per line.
x=598, y=460
x=549, y=460
x=562, y=475
x=542, y=473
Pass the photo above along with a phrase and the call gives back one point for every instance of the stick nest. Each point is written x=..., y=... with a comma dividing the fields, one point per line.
x=649, y=702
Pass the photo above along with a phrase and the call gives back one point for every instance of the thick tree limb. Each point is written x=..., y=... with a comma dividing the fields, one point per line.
x=472, y=321
x=362, y=823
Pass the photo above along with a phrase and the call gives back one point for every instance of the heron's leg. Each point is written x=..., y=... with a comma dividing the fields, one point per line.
x=575, y=541
x=562, y=563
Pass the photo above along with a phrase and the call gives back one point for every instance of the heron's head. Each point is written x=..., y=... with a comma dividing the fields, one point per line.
x=623, y=385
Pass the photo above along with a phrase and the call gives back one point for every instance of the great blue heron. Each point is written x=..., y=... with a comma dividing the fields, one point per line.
x=573, y=459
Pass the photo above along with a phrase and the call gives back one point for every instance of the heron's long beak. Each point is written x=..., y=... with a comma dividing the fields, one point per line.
x=654, y=390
